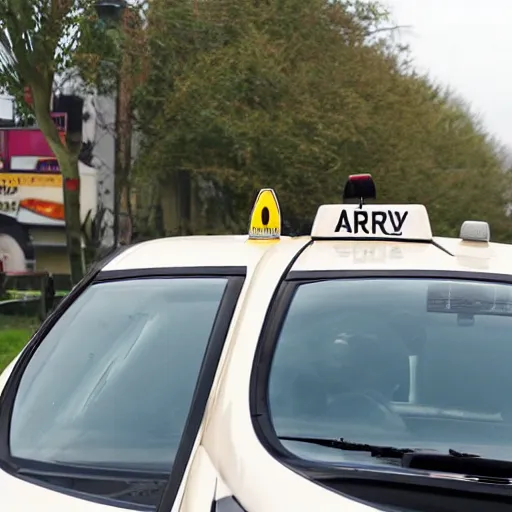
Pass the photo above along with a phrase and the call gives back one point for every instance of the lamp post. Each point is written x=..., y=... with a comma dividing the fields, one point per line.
x=111, y=13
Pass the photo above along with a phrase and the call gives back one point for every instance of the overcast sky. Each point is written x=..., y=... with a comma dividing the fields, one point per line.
x=466, y=44
x=463, y=43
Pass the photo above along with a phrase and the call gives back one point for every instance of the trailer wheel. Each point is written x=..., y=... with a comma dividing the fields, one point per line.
x=11, y=254
x=15, y=237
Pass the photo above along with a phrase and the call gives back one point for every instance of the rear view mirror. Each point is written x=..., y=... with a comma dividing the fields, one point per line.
x=468, y=299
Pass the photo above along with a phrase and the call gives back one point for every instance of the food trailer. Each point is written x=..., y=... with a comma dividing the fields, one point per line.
x=32, y=224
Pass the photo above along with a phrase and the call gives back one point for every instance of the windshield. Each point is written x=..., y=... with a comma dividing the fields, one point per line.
x=417, y=363
x=111, y=384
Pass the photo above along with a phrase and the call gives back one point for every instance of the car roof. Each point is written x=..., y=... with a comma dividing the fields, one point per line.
x=353, y=236
x=194, y=251
x=444, y=254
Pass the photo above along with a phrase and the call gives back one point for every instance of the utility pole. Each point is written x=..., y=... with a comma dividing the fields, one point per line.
x=115, y=13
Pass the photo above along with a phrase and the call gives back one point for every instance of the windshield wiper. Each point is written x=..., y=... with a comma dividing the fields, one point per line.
x=388, y=452
x=467, y=464
x=374, y=450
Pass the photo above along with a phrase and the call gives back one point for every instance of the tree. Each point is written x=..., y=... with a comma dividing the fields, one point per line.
x=296, y=95
x=39, y=40
x=116, y=66
x=243, y=98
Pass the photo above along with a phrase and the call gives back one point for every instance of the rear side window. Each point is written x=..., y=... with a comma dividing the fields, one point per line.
x=112, y=383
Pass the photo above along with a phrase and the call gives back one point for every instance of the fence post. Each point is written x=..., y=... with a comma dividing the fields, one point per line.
x=2, y=284
x=50, y=294
x=43, y=309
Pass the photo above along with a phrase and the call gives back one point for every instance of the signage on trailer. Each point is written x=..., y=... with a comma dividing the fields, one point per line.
x=30, y=180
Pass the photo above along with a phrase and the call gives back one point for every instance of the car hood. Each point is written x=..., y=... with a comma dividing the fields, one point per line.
x=17, y=495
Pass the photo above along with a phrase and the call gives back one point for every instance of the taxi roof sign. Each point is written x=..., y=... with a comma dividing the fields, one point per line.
x=378, y=222
x=265, y=221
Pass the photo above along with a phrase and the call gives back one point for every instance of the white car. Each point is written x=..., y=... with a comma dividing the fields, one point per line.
x=364, y=367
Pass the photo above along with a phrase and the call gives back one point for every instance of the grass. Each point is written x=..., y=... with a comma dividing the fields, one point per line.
x=22, y=294
x=14, y=334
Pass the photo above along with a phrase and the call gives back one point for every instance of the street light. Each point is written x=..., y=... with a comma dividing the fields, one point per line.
x=111, y=13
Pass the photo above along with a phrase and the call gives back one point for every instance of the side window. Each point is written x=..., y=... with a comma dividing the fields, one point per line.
x=111, y=384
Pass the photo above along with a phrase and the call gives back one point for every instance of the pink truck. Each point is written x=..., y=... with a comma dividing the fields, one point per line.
x=32, y=225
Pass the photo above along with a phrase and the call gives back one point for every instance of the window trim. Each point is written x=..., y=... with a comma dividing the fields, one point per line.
x=319, y=472
x=173, y=485
x=114, y=275
x=316, y=275
x=202, y=391
x=235, y=279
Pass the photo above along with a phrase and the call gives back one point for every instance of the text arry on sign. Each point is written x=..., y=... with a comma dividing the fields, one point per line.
x=375, y=222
